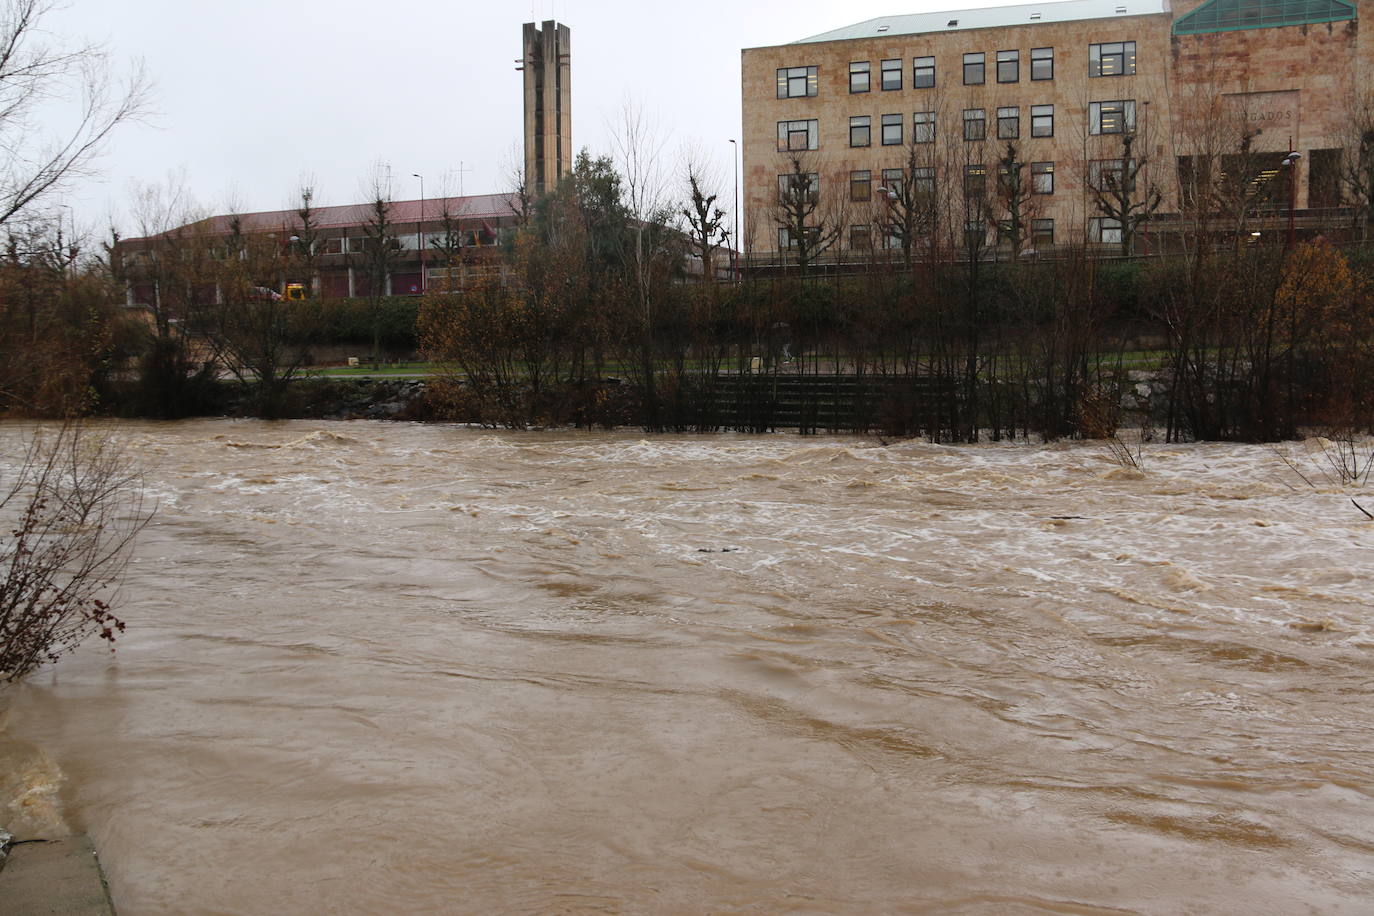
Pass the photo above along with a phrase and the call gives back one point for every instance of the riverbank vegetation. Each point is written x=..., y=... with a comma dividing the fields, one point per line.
x=70, y=508
x=595, y=322
x=615, y=302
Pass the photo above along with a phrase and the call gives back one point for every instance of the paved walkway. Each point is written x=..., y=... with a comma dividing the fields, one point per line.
x=54, y=878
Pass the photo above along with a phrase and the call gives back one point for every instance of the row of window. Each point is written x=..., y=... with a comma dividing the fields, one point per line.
x=975, y=126
x=923, y=182
x=1102, y=230
x=1108, y=59
x=1109, y=117
x=361, y=244
x=1103, y=175
x=889, y=237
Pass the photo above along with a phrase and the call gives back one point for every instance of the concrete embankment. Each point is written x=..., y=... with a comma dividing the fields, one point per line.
x=53, y=878
x=44, y=869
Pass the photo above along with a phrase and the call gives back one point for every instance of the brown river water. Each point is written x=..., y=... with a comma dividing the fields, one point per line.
x=391, y=668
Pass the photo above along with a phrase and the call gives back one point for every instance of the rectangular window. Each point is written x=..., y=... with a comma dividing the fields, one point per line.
x=858, y=76
x=1105, y=231
x=892, y=237
x=785, y=240
x=923, y=183
x=1008, y=123
x=892, y=130
x=975, y=181
x=892, y=182
x=892, y=74
x=1042, y=177
x=975, y=233
x=333, y=246
x=1042, y=233
x=1112, y=175
x=1042, y=63
x=798, y=135
x=923, y=127
x=796, y=82
x=1116, y=117
x=975, y=124
x=804, y=187
x=1115, y=59
x=1008, y=66
x=860, y=131
x=923, y=73
x=860, y=238
x=861, y=185
x=973, y=69
x=1042, y=120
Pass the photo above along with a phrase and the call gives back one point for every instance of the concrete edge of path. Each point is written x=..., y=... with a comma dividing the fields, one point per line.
x=54, y=878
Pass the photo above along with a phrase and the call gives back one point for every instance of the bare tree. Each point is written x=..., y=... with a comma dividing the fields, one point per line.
x=381, y=247
x=39, y=151
x=910, y=214
x=448, y=243
x=521, y=195
x=1357, y=161
x=1119, y=192
x=173, y=269
x=1015, y=201
x=646, y=255
x=255, y=333
x=805, y=226
x=71, y=512
x=307, y=237
x=705, y=221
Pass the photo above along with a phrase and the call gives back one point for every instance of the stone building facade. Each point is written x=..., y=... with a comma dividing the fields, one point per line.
x=1073, y=98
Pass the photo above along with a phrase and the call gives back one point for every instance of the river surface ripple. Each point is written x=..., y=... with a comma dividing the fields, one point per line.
x=391, y=668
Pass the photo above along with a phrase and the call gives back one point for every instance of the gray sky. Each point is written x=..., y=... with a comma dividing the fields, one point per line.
x=253, y=94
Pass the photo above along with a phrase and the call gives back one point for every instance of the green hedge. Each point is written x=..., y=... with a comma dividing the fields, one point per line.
x=350, y=321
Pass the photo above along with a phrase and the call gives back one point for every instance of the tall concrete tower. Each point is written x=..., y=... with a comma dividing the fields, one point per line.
x=548, y=105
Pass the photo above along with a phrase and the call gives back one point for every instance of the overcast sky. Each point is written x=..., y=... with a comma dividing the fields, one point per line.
x=251, y=95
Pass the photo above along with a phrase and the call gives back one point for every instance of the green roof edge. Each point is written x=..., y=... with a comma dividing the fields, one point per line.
x=1180, y=27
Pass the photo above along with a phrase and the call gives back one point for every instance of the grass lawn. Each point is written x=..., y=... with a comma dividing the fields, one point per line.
x=385, y=370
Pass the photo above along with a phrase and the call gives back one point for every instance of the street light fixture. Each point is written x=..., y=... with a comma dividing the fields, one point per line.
x=72, y=249
x=734, y=160
x=1290, y=162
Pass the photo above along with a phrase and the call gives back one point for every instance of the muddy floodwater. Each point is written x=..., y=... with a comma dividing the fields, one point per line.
x=390, y=668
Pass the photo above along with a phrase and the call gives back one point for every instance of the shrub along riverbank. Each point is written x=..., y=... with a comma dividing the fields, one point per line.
x=586, y=329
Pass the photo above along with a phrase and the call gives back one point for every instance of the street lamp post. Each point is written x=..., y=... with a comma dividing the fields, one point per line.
x=889, y=198
x=420, y=229
x=1290, y=162
x=734, y=146
x=69, y=254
